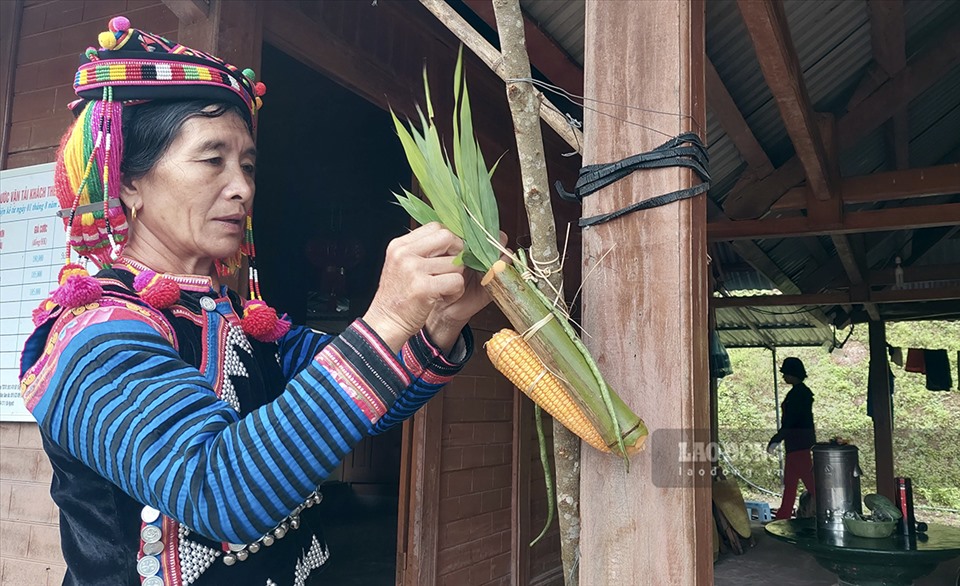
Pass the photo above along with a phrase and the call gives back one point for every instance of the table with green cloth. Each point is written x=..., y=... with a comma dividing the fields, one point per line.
x=860, y=561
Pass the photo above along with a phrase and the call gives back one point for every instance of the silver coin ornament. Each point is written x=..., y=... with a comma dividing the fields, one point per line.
x=149, y=514
x=151, y=534
x=148, y=566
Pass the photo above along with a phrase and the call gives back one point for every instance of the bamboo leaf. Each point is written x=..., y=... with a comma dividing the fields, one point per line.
x=418, y=209
x=426, y=92
x=458, y=191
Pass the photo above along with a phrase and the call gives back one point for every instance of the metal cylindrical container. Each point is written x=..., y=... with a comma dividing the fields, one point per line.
x=836, y=474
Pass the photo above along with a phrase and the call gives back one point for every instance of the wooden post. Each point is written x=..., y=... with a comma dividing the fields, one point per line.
x=233, y=31
x=645, y=306
x=879, y=389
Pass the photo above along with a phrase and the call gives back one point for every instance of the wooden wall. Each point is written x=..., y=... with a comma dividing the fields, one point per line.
x=29, y=529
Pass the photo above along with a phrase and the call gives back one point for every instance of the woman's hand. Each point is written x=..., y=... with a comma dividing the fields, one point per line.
x=449, y=318
x=419, y=275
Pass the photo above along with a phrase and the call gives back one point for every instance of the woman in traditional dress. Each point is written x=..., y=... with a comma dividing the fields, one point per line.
x=189, y=429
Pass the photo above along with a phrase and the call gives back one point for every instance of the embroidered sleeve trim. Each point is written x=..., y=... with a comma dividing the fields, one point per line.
x=362, y=364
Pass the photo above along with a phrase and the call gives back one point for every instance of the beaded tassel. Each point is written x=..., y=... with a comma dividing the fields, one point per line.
x=259, y=319
x=76, y=287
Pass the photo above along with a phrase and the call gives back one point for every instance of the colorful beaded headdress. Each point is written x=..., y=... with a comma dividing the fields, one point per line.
x=130, y=67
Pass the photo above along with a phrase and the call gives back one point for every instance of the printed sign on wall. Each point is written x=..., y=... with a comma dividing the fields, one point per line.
x=32, y=251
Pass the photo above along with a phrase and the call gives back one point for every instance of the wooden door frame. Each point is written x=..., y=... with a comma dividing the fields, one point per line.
x=418, y=525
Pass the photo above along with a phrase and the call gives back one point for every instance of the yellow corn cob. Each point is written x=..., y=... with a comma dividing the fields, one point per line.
x=512, y=356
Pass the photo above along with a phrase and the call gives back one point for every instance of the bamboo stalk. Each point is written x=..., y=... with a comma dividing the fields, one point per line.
x=523, y=308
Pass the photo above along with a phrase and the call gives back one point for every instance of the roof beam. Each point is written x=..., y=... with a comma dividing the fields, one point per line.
x=886, y=186
x=814, y=137
x=927, y=69
x=767, y=25
x=733, y=123
x=915, y=274
x=900, y=218
x=751, y=252
x=545, y=53
x=888, y=39
x=736, y=127
x=754, y=200
x=840, y=298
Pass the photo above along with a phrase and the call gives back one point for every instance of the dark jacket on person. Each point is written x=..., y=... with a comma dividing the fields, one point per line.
x=796, y=431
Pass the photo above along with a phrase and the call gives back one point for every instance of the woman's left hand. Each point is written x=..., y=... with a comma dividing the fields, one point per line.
x=448, y=319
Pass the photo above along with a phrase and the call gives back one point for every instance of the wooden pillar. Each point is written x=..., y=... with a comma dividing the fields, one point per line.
x=879, y=389
x=229, y=29
x=645, y=306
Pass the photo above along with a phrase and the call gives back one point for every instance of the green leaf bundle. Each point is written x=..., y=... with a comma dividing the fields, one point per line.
x=459, y=192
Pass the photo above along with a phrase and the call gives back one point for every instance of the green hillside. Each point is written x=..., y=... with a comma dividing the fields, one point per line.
x=927, y=424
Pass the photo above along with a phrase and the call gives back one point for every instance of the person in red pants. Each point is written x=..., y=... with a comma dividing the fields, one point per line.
x=798, y=434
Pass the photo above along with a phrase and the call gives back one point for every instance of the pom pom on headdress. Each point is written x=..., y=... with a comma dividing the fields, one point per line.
x=262, y=322
x=119, y=24
x=107, y=40
x=77, y=288
x=158, y=291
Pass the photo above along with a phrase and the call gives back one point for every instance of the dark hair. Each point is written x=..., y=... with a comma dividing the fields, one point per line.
x=793, y=366
x=150, y=128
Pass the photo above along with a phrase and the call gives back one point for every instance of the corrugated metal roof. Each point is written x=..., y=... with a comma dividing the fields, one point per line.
x=833, y=44
x=935, y=121
x=777, y=326
x=563, y=21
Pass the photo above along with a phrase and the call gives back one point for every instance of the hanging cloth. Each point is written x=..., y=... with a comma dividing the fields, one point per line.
x=915, y=362
x=938, y=370
x=719, y=359
x=896, y=356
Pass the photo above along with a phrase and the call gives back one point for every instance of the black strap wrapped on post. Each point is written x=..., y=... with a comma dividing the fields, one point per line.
x=670, y=154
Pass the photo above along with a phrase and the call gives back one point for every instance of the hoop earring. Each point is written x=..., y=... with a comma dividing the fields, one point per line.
x=133, y=213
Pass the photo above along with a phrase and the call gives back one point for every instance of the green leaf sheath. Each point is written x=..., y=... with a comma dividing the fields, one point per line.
x=523, y=306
